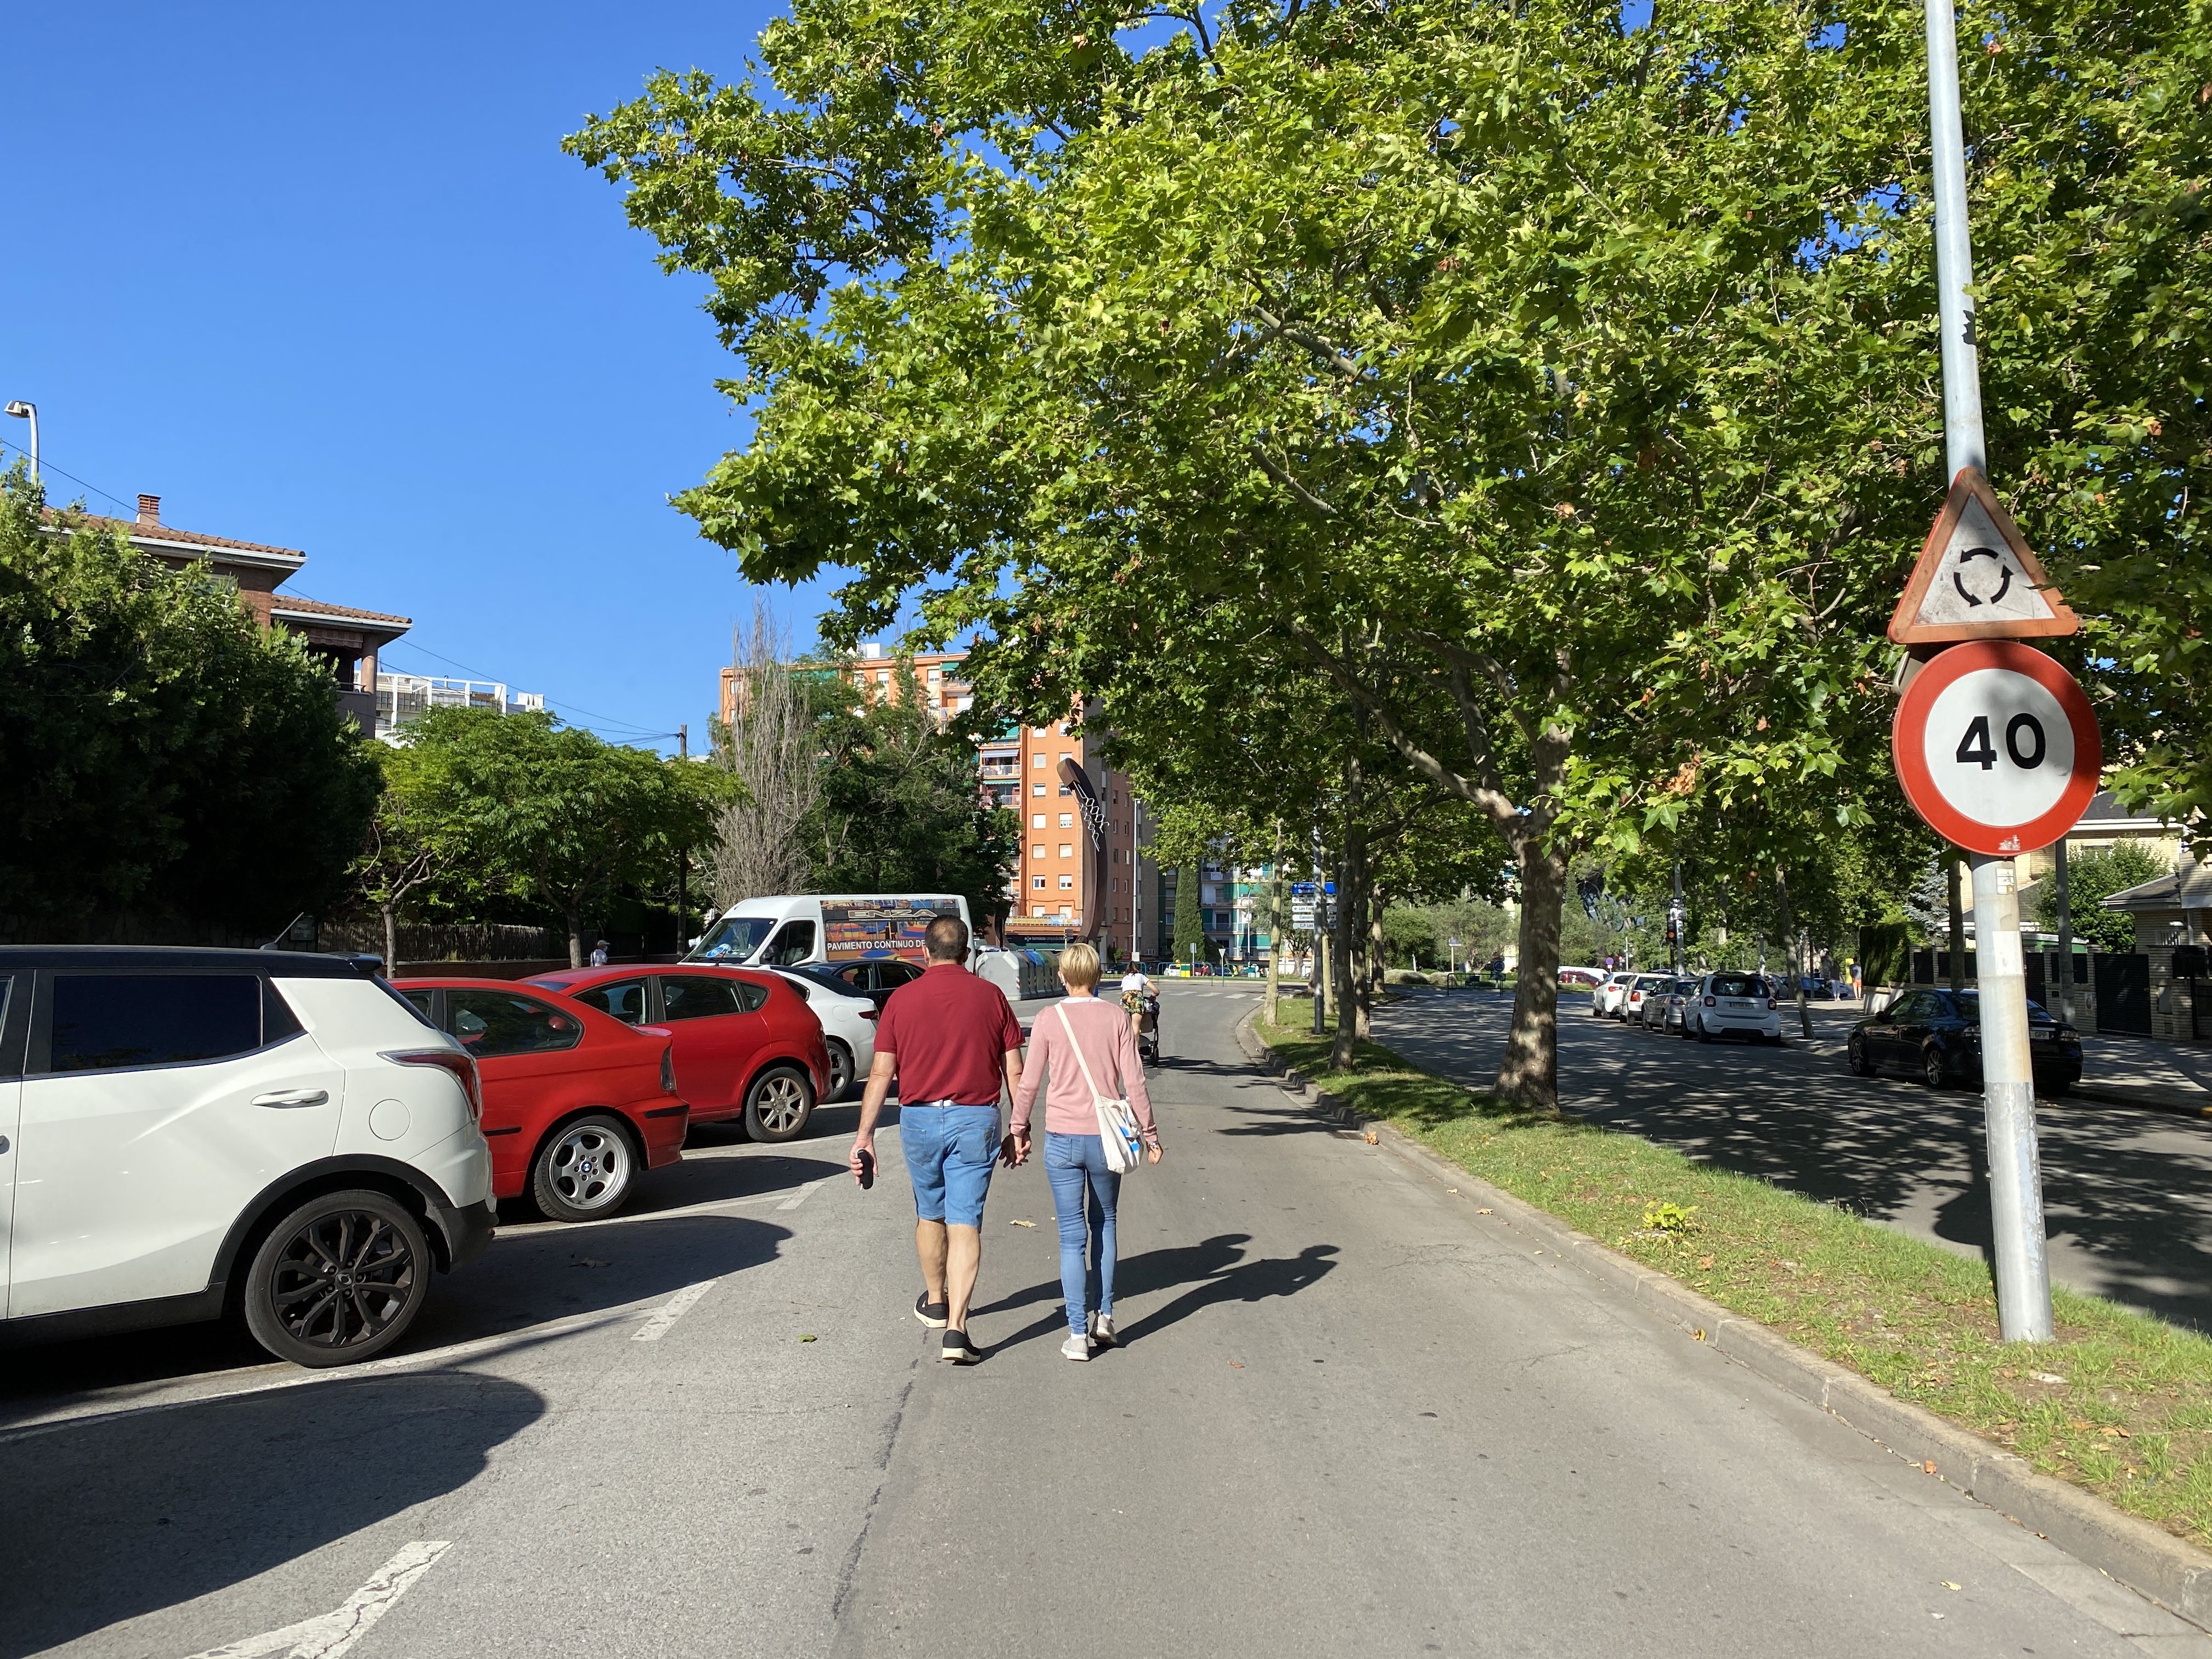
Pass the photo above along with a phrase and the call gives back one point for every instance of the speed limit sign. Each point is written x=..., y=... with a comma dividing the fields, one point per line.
x=1997, y=747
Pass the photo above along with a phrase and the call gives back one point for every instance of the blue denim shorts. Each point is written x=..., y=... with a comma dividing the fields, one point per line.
x=951, y=1151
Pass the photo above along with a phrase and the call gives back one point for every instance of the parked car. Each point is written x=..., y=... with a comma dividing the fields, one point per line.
x=1580, y=978
x=848, y=1015
x=747, y=1044
x=577, y=1104
x=1937, y=1036
x=1606, y=994
x=1818, y=988
x=1661, y=1007
x=1632, y=1000
x=187, y=1135
x=1733, y=1003
x=875, y=977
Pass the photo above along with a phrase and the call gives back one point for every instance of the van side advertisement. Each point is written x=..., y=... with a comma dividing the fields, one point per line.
x=857, y=927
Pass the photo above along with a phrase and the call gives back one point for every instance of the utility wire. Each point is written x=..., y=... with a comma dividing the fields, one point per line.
x=46, y=467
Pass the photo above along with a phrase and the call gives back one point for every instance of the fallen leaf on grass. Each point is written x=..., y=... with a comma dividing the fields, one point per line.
x=1021, y=1224
x=2079, y=1423
x=1705, y=1262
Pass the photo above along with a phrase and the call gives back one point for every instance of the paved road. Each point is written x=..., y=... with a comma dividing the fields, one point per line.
x=1354, y=1414
x=2127, y=1194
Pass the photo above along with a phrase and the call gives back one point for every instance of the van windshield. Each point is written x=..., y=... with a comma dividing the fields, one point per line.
x=734, y=939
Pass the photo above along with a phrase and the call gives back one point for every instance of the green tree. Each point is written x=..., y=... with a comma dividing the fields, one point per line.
x=1190, y=940
x=174, y=769
x=899, y=807
x=557, y=815
x=2092, y=878
x=414, y=842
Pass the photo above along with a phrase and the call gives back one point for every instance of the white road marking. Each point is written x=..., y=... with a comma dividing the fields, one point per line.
x=801, y=1196
x=332, y=1634
x=671, y=1310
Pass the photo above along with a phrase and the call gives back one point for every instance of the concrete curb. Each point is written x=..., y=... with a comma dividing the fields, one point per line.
x=2171, y=1572
x=2148, y=1098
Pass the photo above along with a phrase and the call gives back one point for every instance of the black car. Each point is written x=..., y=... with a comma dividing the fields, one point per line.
x=1936, y=1034
x=874, y=977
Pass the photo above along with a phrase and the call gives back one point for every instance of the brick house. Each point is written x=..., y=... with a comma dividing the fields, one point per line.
x=345, y=637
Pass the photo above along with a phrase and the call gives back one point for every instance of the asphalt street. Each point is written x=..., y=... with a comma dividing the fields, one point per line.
x=2127, y=1192
x=1355, y=1413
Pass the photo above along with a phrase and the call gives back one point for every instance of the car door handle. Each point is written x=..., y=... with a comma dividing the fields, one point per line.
x=294, y=1097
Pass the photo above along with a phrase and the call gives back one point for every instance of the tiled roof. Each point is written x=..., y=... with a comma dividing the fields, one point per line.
x=170, y=533
x=300, y=604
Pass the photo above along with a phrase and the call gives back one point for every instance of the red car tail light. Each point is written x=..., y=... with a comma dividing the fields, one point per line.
x=463, y=1068
x=1711, y=1003
x=871, y=1012
x=1770, y=1002
x=668, y=1070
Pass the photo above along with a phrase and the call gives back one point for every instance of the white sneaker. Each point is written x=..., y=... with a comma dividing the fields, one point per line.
x=1076, y=1348
x=1101, y=1329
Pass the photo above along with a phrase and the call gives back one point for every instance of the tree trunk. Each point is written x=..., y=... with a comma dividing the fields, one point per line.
x=1343, y=972
x=1797, y=956
x=1275, y=928
x=575, y=919
x=1529, y=1075
x=1958, y=919
x=391, y=941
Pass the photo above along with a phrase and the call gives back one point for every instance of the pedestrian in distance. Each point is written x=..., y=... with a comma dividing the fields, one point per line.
x=1088, y=1050
x=599, y=953
x=952, y=1042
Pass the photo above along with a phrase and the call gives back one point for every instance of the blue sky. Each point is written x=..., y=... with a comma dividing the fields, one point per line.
x=321, y=277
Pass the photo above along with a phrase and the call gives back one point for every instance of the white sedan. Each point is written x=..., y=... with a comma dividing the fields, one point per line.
x=848, y=1027
x=1732, y=1003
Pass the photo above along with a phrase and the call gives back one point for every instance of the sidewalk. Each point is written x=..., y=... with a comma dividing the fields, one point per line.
x=2144, y=1072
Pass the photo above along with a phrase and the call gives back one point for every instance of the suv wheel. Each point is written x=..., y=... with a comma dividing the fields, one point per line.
x=585, y=1169
x=338, y=1280
x=1933, y=1072
x=777, y=1105
x=841, y=1070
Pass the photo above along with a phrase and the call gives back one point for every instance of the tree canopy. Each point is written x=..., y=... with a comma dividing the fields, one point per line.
x=173, y=771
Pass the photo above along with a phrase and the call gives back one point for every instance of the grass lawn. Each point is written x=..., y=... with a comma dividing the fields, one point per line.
x=2121, y=1403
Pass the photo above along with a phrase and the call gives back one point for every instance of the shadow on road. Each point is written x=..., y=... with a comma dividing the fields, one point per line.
x=2128, y=1196
x=1213, y=1269
x=112, y=1520
x=523, y=1280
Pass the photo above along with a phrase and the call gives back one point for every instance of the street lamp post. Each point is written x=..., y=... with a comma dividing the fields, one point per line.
x=23, y=411
x=2008, y=1081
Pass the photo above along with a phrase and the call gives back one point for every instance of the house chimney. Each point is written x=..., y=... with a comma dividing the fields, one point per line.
x=149, y=509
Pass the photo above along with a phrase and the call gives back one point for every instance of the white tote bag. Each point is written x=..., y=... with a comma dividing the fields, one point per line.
x=1117, y=1123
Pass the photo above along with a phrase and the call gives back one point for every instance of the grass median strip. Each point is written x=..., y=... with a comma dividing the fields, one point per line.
x=2121, y=1404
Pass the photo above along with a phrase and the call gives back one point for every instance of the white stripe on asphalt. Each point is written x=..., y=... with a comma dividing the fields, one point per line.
x=801, y=1196
x=671, y=1310
x=331, y=1635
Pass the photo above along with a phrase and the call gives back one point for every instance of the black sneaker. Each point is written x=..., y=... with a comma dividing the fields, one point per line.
x=959, y=1349
x=931, y=1314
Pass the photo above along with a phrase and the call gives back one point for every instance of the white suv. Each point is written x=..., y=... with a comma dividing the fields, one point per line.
x=187, y=1134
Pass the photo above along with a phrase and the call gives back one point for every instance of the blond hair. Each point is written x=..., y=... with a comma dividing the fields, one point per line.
x=1078, y=966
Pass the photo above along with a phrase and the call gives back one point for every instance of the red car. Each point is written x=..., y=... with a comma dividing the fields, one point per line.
x=575, y=1104
x=746, y=1044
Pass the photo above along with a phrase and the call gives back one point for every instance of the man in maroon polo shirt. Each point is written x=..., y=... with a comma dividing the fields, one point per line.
x=951, y=1040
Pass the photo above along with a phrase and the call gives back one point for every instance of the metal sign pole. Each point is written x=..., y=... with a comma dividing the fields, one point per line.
x=2007, y=1075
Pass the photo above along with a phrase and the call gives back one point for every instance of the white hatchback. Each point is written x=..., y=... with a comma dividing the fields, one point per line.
x=1732, y=1003
x=849, y=1026
x=187, y=1134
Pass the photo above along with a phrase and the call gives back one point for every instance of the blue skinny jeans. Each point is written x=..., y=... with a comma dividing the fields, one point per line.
x=1076, y=1166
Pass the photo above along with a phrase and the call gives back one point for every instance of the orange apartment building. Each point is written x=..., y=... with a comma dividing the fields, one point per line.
x=1062, y=864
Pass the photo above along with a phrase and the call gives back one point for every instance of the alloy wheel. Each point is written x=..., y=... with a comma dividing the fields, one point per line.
x=781, y=1105
x=342, y=1279
x=589, y=1167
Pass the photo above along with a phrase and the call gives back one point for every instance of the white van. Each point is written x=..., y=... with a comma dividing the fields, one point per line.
x=791, y=930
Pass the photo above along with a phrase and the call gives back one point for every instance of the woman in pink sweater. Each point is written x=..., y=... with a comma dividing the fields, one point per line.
x=1074, y=1156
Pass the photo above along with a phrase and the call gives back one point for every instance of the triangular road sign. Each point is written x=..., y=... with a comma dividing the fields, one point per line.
x=1978, y=578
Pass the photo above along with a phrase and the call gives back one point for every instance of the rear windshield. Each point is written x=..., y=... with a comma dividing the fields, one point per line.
x=1736, y=985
